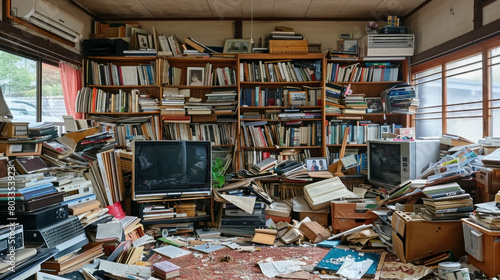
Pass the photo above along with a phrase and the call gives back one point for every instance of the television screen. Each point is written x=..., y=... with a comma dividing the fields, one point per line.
x=166, y=167
x=385, y=163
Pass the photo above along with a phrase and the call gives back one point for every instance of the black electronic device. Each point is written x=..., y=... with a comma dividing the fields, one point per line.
x=40, y=218
x=258, y=221
x=104, y=47
x=66, y=235
x=36, y=203
x=170, y=169
x=11, y=236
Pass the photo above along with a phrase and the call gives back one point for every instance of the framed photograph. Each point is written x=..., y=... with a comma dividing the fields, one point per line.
x=374, y=105
x=340, y=45
x=298, y=98
x=237, y=46
x=142, y=41
x=195, y=76
x=316, y=164
x=351, y=46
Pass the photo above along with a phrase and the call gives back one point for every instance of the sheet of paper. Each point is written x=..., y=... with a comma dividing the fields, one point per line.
x=207, y=248
x=271, y=269
x=122, y=269
x=245, y=203
x=354, y=270
x=172, y=251
x=45, y=276
x=397, y=270
x=349, y=161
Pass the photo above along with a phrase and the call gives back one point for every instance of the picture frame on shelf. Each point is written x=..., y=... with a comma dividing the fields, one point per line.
x=374, y=105
x=316, y=164
x=298, y=98
x=142, y=41
x=351, y=45
x=340, y=45
x=237, y=46
x=195, y=76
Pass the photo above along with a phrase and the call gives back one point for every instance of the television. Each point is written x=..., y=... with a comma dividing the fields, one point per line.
x=171, y=168
x=392, y=162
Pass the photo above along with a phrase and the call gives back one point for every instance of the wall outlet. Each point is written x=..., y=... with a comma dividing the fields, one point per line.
x=345, y=36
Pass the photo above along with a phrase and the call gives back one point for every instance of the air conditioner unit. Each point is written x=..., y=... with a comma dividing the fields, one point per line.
x=49, y=17
x=387, y=45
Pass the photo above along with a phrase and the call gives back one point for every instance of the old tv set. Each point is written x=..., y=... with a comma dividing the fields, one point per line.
x=171, y=168
x=392, y=162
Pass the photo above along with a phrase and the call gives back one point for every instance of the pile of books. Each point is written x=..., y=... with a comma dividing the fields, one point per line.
x=400, y=99
x=223, y=101
x=334, y=93
x=354, y=104
x=446, y=202
x=487, y=215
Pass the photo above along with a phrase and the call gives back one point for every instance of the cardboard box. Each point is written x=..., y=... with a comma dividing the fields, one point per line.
x=415, y=237
x=301, y=207
x=489, y=252
x=186, y=207
x=487, y=184
x=346, y=216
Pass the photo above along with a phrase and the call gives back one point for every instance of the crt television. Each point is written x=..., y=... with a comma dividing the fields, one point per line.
x=392, y=162
x=171, y=168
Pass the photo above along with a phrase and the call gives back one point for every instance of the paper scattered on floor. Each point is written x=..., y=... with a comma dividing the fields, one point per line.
x=354, y=270
x=397, y=270
x=271, y=269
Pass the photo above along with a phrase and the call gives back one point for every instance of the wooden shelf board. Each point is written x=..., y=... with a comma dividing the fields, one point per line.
x=126, y=113
x=254, y=108
x=282, y=148
x=281, y=83
x=122, y=86
x=198, y=87
x=282, y=120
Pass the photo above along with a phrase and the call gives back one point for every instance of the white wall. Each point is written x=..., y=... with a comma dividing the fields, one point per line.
x=443, y=20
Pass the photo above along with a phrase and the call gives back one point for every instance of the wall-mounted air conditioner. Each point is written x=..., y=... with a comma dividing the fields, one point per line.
x=49, y=17
x=387, y=45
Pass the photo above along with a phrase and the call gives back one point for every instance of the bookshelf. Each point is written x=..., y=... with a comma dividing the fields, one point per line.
x=120, y=94
x=280, y=106
x=369, y=79
x=204, y=109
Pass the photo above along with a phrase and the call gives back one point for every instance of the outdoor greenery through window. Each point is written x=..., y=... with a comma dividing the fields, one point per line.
x=452, y=97
x=19, y=86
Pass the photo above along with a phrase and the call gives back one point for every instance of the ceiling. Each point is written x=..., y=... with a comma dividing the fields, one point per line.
x=241, y=9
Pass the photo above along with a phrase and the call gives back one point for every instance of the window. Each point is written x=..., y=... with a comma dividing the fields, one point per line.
x=452, y=93
x=19, y=86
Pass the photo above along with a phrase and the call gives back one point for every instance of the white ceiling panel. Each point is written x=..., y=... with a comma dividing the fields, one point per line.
x=233, y=9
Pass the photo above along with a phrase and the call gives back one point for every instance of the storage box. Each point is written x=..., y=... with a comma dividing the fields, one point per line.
x=415, y=237
x=483, y=247
x=487, y=184
x=346, y=216
x=301, y=207
x=186, y=207
x=288, y=46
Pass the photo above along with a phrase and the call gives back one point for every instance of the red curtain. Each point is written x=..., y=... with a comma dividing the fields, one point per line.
x=71, y=83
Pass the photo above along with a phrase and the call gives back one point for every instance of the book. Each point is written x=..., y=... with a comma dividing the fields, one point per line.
x=166, y=270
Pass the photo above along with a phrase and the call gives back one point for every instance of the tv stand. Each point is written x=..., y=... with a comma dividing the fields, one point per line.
x=205, y=201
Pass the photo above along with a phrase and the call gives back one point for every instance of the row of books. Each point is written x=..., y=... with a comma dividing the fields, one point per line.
x=361, y=158
x=282, y=96
x=109, y=74
x=370, y=72
x=218, y=134
x=125, y=130
x=94, y=100
x=298, y=155
x=359, y=131
x=197, y=76
x=280, y=71
x=261, y=134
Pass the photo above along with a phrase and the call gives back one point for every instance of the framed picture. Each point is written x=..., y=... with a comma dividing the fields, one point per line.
x=237, y=46
x=351, y=46
x=195, y=76
x=374, y=105
x=142, y=41
x=316, y=164
x=340, y=45
x=298, y=98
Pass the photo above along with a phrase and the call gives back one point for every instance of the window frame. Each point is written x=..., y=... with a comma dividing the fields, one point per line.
x=482, y=48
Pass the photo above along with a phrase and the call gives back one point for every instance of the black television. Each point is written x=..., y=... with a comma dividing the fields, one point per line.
x=171, y=168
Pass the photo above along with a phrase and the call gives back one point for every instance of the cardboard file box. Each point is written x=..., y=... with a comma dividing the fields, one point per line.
x=186, y=207
x=415, y=238
x=346, y=216
x=487, y=184
x=483, y=247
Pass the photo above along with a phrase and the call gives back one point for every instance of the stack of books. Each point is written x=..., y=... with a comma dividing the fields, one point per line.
x=334, y=93
x=355, y=104
x=400, y=99
x=223, y=101
x=446, y=202
x=147, y=103
x=487, y=215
